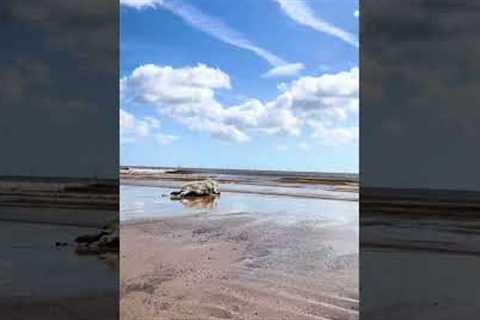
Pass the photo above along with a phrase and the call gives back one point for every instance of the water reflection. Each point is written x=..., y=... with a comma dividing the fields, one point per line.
x=207, y=202
x=147, y=203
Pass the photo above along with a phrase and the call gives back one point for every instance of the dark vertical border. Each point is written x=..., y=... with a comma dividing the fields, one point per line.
x=59, y=159
x=419, y=134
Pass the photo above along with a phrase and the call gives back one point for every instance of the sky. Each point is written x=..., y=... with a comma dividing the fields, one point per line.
x=250, y=84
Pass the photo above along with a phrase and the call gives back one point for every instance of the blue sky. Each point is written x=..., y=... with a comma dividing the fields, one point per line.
x=269, y=84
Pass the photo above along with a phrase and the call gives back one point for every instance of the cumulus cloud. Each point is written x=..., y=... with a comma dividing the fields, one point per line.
x=154, y=84
x=300, y=12
x=132, y=128
x=332, y=136
x=285, y=70
x=187, y=95
x=332, y=95
x=216, y=128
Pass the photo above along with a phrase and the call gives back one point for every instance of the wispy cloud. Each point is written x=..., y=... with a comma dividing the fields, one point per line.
x=219, y=30
x=284, y=70
x=140, y=4
x=299, y=11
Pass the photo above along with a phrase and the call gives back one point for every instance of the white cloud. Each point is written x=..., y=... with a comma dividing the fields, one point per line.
x=152, y=122
x=187, y=95
x=299, y=11
x=217, y=129
x=139, y=4
x=356, y=13
x=219, y=30
x=211, y=26
x=333, y=136
x=133, y=128
x=165, y=138
x=285, y=70
x=327, y=103
x=324, y=104
x=153, y=84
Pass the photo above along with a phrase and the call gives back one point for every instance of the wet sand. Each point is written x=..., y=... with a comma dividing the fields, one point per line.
x=247, y=256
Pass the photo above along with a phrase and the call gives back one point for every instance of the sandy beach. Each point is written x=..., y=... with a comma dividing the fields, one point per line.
x=245, y=256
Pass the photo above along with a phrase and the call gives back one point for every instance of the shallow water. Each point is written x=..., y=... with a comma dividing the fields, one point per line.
x=32, y=267
x=150, y=203
x=276, y=253
x=260, y=186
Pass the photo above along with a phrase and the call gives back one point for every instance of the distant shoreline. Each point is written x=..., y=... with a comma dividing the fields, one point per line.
x=354, y=177
x=278, y=183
